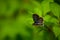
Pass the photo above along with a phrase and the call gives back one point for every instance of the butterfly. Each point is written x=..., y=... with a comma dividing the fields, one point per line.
x=37, y=20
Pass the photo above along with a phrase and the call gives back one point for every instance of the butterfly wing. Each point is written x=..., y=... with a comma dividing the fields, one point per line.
x=40, y=20
x=35, y=18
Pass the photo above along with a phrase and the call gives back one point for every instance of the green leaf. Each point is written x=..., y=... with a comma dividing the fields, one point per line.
x=55, y=8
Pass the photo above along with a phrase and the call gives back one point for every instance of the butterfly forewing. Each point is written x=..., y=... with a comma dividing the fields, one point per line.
x=35, y=18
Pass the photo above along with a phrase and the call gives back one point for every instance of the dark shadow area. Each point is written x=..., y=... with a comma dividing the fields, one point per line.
x=57, y=1
x=19, y=37
x=15, y=14
x=40, y=1
x=7, y=37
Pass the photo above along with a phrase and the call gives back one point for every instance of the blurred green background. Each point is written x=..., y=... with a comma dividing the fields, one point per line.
x=16, y=18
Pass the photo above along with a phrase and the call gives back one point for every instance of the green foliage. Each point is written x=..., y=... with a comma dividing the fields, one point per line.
x=16, y=19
